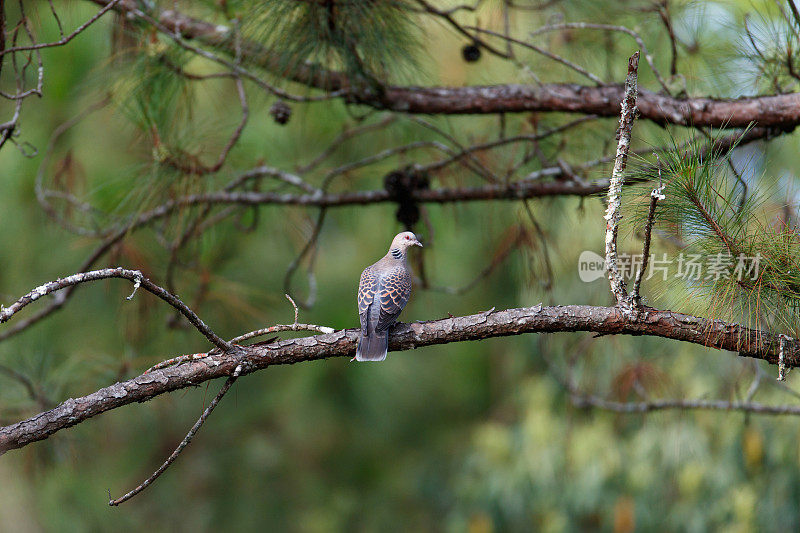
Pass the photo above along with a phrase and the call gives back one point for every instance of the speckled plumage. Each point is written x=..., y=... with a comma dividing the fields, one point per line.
x=383, y=292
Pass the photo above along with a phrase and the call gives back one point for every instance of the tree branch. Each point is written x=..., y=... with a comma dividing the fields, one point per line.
x=132, y=275
x=185, y=442
x=64, y=38
x=530, y=187
x=613, y=214
x=571, y=318
x=585, y=401
x=780, y=111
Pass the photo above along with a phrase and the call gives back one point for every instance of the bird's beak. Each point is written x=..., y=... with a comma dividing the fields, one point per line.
x=417, y=243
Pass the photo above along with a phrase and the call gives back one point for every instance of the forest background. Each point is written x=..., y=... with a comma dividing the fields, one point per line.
x=477, y=436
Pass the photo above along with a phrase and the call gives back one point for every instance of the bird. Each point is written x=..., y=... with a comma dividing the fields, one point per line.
x=383, y=292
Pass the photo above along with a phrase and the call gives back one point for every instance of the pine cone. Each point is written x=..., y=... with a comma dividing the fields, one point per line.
x=471, y=53
x=281, y=112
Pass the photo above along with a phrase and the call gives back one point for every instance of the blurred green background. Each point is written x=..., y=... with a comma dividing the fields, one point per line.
x=477, y=436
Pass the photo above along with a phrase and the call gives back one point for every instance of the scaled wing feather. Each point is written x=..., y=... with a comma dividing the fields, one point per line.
x=367, y=288
x=394, y=290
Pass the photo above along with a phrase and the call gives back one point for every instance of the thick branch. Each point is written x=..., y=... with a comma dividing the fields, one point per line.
x=513, y=191
x=780, y=111
x=603, y=320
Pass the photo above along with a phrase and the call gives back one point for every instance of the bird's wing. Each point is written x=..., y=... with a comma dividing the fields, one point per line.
x=367, y=288
x=394, y=291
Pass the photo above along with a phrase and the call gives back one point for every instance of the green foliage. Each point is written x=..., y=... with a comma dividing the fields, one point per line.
x=770, y=48
x=149, y=91
x=707, y=208
x=371, y=41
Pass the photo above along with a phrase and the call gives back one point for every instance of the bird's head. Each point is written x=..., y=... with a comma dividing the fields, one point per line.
x=403, y=240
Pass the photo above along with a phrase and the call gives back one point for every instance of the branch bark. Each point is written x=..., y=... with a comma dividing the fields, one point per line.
x=530, y=187
x=777, y=111
x=571, y=318
x=613, y=214
x=135, y=276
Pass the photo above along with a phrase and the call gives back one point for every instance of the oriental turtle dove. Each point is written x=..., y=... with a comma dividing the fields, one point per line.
x=382, y=293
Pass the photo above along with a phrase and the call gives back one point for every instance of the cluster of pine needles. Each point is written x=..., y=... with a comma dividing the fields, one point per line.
x=708, y=215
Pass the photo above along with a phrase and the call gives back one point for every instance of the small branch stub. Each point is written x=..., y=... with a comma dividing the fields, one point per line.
x=137, y=282
x=296, y=311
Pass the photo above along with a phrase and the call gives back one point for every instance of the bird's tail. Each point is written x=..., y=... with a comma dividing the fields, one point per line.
x=372, y=347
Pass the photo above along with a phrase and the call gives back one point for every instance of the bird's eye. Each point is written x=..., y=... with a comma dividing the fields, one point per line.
x=407, y=237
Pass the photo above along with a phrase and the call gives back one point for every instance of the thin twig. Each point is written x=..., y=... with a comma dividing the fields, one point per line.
x=294, y=305
x=280, y=175
x=449, y=19
x=555, y=57
x=185, y=442
x=583, y=400
x=35, y=392
x=609, y=27
x=65, y=39
x=295, y=326
x=308, y=248
x=344, y=136
x=655, y=195
x=795, y=12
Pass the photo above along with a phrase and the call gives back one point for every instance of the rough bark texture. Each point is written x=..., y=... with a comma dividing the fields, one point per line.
x=602, y=320
x=781, y=111
x=776, y=111
x=613, y=212
x=513, y=191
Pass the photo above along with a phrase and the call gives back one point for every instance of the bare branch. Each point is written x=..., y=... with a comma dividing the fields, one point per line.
x=585, y=400
x=344, y=136
x=571, y=318
x=569, y=64
x=655, y=195
x=295, y=326
x=35, y=393
x=782, y=370
x=609, y=27
x=447, y=16
x=185, y=442
x=133, y=275
x=64, y=38
x=795, y=13
x=280, y=175
x=613, y=215
x=309, y=250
